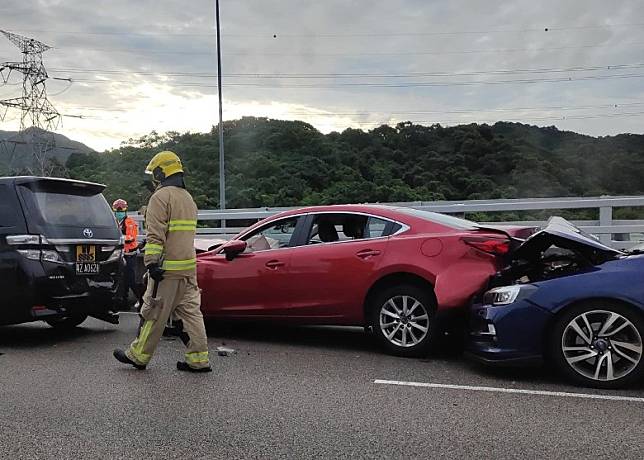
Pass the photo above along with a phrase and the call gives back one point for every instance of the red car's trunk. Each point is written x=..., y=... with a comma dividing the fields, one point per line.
x=515, y=231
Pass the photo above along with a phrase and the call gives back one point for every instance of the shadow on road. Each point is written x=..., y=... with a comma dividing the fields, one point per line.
x=545, y=374
x=354, y=339
x=35, y=335
x=324, y=337
x=350, y=339
x=537, y=374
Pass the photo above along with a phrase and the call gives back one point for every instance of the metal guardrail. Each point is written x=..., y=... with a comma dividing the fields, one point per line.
x=621, y=234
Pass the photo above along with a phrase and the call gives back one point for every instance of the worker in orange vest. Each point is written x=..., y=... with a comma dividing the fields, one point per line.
x=130, y=230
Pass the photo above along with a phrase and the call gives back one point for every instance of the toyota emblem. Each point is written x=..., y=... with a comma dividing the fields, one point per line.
x=88, y=233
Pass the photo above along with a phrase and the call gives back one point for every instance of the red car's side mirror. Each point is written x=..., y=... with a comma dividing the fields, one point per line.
x=233, y=248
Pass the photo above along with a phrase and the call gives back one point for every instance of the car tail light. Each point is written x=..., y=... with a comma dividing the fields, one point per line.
x=31, y=254
x=33, y=247
x=490, y=245
x=49, y=255
x=19, y=240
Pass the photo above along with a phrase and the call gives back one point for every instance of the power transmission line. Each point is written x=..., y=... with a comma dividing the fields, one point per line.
x=338, y=85
x=259, y=75
x=347, y=54
x=324, y=113
x=489, y=120
x=268, y=34
x=392, y=121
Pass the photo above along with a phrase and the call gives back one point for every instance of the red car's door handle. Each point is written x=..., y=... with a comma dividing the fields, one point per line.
x=274, y=264
x=366, y=253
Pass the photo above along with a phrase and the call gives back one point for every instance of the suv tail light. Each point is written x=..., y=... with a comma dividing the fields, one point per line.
x=488, y=244
x=15, y=240
x=33, y=247
x=31, y=254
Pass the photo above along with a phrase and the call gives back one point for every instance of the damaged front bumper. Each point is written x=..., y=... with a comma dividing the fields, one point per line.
x=508, y=328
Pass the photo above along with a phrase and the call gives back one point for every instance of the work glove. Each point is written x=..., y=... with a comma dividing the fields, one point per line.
x=156, y=272
x=141, y=245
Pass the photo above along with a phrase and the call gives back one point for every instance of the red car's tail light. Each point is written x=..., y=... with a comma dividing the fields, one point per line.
x=495, y=246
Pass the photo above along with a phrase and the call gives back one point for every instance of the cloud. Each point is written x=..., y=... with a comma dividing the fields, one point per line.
x=139, y=66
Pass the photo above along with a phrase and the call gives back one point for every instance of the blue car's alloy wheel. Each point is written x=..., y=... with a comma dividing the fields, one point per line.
x=600, y=345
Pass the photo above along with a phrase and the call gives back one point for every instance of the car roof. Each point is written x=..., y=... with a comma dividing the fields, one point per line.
x=382, y=210
x=390, y=212
x=33, y=179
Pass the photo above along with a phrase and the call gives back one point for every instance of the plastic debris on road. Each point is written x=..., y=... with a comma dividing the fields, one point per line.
x=225, y=351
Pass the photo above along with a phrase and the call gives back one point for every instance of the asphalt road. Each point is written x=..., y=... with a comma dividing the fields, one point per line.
x=289, y=393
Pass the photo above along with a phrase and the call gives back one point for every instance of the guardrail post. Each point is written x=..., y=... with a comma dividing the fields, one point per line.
x=606, y=220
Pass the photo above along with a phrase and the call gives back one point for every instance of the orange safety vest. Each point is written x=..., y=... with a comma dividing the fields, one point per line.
x=131, y=230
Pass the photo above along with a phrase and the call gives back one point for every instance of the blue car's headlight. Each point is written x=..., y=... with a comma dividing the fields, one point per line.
x=507, y=294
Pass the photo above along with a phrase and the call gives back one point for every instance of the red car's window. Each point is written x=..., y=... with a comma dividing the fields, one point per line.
x=376, y=228
x=274, y=236
x=442, y=219
x=328, y=228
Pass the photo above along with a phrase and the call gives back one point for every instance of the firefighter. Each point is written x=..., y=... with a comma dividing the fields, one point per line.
x=130, y=231
x=171, y=221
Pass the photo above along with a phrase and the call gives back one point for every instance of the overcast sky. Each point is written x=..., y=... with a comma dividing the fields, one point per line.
x=151, y=64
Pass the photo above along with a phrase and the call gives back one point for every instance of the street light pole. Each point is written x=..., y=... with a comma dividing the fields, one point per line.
x=222, y=175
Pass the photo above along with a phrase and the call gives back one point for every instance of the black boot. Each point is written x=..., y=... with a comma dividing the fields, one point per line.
x=183, y=366
x=122, y=357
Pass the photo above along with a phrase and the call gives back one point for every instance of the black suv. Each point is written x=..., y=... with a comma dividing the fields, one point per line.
x=60, y=252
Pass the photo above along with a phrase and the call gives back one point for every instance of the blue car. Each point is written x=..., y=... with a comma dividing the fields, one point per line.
x=570, y=300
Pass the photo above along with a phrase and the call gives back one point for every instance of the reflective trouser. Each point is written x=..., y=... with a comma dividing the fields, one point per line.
x=182, y=298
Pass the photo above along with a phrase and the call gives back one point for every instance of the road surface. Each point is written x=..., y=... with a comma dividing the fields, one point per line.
x=292, y=393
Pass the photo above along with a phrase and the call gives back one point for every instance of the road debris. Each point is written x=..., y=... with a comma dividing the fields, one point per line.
x=225, y=351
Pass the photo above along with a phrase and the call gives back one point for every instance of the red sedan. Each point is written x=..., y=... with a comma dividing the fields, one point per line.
x=396, y=270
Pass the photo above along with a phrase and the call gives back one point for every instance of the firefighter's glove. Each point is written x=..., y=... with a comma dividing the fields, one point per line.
x=156, y=272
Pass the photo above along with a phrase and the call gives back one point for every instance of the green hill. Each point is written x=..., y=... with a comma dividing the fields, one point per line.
x=16, y=153
x=282, y=163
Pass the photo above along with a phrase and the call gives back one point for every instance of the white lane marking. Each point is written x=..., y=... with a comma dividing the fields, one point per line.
x=560, y=394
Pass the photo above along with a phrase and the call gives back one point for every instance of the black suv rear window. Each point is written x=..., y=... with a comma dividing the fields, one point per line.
x=70, y=209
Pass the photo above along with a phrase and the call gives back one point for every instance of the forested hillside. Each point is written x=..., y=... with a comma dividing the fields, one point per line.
x=16, y=152
x=281, y=163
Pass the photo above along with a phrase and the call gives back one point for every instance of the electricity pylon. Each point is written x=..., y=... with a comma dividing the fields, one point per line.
x=38, y=117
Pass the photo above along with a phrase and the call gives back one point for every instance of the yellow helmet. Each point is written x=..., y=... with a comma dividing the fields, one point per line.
x=164, y=164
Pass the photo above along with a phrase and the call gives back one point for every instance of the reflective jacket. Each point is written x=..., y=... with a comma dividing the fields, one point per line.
x=130, y=230
x=170, y=224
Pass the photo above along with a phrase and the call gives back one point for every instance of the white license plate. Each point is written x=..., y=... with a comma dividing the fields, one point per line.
x=87, y=269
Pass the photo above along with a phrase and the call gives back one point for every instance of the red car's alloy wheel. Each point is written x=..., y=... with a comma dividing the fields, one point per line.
x=404, y=321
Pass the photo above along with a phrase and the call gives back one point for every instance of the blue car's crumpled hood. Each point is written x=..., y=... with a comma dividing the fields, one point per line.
x=563, y=234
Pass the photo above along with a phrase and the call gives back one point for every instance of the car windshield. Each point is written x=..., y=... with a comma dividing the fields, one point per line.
x=443, y=219
x=74, y=210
